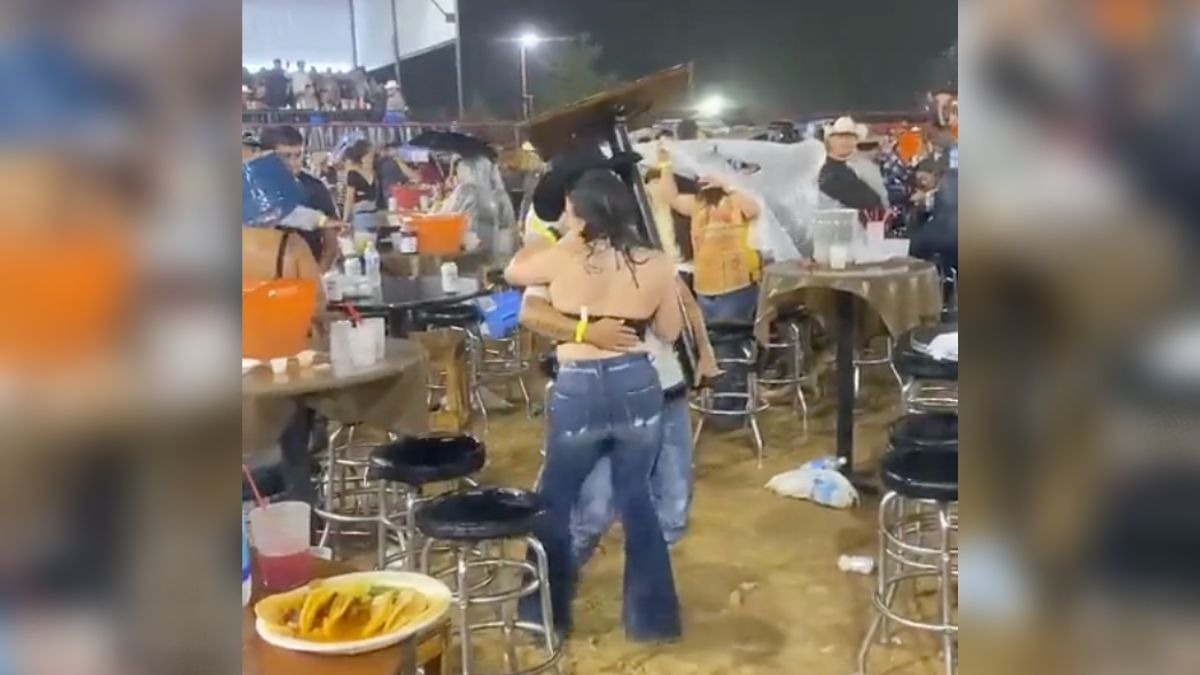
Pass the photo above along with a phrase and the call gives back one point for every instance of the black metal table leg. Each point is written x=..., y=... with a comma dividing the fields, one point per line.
x=844, y=329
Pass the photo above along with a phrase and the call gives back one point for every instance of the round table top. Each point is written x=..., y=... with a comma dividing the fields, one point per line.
x=904, y=292
x=413, y=293
x=885, y=268
x=261, y=382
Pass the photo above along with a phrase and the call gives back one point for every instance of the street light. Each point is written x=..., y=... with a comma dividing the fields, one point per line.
x=712, y=106
x=527, y=41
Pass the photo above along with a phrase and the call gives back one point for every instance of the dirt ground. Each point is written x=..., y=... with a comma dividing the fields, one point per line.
x=757, y=573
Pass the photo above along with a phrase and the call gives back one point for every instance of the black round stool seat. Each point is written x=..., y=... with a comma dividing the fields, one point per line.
x=449, y=316
x=475, y=515
x=916, y=365
x=418, y=460
x=922, y=474
x=730, y=331
x=925, y=431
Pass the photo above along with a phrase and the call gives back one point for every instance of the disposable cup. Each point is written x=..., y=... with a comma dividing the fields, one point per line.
x=281, y=533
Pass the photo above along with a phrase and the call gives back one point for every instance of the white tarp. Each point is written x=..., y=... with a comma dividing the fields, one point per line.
x=318, y=31
x=421, y=27
x=782, y=177
x=314, y=31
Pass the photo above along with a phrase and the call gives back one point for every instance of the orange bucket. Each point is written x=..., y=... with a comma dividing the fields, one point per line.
x=439, y=234
x=64, y=296
x=276, y=315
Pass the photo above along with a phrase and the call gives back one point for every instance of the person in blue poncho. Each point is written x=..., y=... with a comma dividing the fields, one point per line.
x=270, y=197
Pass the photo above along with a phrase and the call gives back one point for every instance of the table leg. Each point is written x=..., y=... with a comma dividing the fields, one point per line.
x=844, y=328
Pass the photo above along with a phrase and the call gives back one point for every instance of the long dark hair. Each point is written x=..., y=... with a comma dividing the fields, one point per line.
x=358, y=151
x=609, y=213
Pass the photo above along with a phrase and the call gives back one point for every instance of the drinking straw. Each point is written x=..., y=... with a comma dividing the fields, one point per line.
x=355, y=316
x=258, y=498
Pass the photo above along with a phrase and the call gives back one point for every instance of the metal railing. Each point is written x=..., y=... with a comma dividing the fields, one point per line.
x=323, y=134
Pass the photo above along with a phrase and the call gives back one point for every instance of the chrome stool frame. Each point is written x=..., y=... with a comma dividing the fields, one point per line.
x=345, y=494
x=796, y=348
x=467, y=595
x=754, y=403
x=907, y=555
x=500, y=360
x=437, y=379
x=863, y=358
x=920, y=395
x=401, y=524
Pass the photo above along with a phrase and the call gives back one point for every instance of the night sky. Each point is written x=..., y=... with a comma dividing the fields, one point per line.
x=780, y=57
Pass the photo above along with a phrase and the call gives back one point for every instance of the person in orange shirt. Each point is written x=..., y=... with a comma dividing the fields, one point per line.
x=727, y=267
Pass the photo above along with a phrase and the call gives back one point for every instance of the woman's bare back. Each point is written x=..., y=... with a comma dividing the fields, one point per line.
x=606, y=284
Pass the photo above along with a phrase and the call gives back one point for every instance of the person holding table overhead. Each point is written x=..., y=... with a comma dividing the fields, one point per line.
x=606, y=403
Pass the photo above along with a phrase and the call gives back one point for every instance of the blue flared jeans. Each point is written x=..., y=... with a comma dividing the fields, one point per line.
x=608, y=408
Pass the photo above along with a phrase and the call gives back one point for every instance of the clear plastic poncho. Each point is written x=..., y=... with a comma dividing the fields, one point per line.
x=480, y=193
x=783, y=178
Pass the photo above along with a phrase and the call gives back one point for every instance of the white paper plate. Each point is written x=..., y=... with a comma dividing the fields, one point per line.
x=437, y=592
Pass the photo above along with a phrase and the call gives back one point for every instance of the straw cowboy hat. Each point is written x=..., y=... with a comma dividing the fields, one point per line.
x=846, y=126
x=392, y=84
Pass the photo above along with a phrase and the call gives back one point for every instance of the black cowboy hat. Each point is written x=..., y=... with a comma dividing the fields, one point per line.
x=550, y=195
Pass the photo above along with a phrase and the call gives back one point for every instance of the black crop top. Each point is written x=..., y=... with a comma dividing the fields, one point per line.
x=639, y=326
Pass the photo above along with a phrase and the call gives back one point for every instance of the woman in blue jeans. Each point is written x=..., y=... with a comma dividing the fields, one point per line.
x=606, y=404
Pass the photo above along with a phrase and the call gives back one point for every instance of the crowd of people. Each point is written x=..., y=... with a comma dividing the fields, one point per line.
x=618, y=437
x=303, y=87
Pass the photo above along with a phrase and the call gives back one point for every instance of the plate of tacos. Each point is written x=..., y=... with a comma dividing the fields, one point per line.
x=352, y=613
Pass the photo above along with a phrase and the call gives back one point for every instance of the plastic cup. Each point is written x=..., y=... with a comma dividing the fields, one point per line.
x=377, y=327
x=875, y=233
x=339, y=346
x=281, y=534
x=839, y=255
x=362, y=347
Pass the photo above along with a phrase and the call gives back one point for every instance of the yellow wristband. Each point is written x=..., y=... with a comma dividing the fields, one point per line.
x=581, y=327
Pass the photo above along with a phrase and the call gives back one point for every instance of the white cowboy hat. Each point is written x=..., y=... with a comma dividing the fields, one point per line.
x=392, y=84
x=847, y=126
x=245, y=89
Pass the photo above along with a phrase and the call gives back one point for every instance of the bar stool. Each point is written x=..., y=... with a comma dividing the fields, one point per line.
x=502, y=360
x=469, y=521
x=489, y=359
x=452, y=332
x=791, y=338
x=737, y=339
x=407, y=467
x=345, y=495
x=922, y=484
x=929, y=384
x=866, y=358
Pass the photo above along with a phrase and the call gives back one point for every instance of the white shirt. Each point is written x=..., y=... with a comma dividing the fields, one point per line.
x=300, y=80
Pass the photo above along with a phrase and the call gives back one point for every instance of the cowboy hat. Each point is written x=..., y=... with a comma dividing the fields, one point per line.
x=391, y=84
x=846, y=126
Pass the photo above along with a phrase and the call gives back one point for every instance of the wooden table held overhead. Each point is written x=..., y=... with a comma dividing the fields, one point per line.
x=423, y=650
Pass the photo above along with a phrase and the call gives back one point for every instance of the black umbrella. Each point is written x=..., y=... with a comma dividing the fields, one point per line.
x=453, y=141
